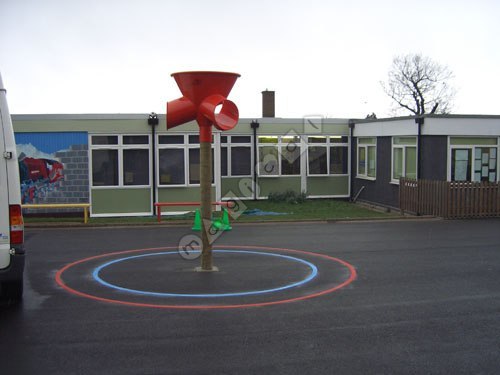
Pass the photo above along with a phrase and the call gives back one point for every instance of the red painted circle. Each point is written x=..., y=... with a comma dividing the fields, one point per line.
x=350, y=279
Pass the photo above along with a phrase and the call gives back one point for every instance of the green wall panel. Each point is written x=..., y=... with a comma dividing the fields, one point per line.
x=404, y=140
x=122, y=124
x=112, y=201
x=331, y=185
x=473, y=141
x=91, y=126
x=232, y=185
x=278, y=184
x=180, y=194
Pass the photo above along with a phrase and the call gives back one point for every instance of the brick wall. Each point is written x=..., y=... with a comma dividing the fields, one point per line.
x=74, y=187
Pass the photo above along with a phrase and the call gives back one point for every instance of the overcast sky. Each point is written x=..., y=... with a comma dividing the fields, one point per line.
x=321, y=57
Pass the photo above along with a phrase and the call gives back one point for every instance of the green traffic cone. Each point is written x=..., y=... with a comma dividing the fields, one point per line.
x=197, y=221
x=225, y=220
x=217, y=225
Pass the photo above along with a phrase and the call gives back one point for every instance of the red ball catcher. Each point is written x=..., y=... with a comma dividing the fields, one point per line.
x=204, y=100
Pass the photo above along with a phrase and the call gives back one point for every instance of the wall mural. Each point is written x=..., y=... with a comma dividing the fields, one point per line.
x=53, y=167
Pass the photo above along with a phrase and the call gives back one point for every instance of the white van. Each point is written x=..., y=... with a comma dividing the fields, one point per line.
x=11, y=219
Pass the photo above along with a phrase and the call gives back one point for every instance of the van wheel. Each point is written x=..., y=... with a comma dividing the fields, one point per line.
x=13, y=289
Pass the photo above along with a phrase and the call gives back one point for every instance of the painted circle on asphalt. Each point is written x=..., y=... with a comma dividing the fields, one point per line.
x=312, y=274
x=352, y=275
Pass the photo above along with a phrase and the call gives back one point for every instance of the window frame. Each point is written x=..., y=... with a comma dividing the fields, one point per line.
x=470, y=167
x=228, y=145
x=185, y=146
x=366, y=146
x=120, y=146
x=177, y=146
x=328, y=144
x=327, y=155
x=158, y=179
x=472, y=146
x=403, y=146
x=196, y=146
x=278, y=145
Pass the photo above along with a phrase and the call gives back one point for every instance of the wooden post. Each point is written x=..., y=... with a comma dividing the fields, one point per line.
x=206, y=206
x=402, y=182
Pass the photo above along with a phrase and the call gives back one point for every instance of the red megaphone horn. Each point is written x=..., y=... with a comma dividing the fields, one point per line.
x=204, y=100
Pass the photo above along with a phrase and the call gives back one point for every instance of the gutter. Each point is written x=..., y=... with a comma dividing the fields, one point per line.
x=420, y=122
x=255, y=125
x=153, y=122
x=352, y=124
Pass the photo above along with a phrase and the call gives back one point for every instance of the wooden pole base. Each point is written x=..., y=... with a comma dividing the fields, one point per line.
x=206, y=206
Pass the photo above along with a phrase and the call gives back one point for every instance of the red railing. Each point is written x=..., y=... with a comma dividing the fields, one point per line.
x=159, y=205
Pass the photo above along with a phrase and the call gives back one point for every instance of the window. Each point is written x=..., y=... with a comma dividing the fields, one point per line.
x=241, y=139
x=136, y=167
x=268, y=156
x=104, y=167
x=171, y=160
x=461, y=164
x=194, y=165
x=179, y=161
x=397, y=163
x=473, y=159
x=171, y=166
x=482, y=168
x=135, y=139
x=223, y=161
x=338, y=160
x=367, y=158
x=171, y=139
x=279, y=155
x=327, y=155
x=104, y=139
x=362, y=161
x=268, y=161
x=485, y=164
x=120, y=160
x=290, y=155
x=318, y=159
x=404, y=158
x=236, y=155
x=241, y=164
x=194, y=139
x=290, y=159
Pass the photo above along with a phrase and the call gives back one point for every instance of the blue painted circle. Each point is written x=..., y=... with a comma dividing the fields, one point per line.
x=309, y=277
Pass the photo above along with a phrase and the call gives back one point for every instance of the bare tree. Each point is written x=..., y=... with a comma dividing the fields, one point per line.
x=420, y=85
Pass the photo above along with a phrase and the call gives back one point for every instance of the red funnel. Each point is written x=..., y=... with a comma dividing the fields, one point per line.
x=204, y=99
x=196, y=86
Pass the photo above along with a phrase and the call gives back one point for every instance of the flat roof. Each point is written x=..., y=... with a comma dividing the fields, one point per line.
x=144, y=116
x=399, y=118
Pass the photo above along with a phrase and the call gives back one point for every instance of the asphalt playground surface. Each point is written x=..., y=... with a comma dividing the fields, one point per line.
x=419, y=297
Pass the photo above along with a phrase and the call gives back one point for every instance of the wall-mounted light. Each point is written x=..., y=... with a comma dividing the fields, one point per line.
x=153, y=119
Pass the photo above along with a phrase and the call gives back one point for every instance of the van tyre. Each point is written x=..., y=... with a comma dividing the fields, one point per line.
x=13, y=290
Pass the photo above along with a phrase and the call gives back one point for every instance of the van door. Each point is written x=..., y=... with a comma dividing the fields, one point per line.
x=4, y=207
x=4, y=191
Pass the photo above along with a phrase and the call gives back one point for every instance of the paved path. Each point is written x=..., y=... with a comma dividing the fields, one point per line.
x=426, y=300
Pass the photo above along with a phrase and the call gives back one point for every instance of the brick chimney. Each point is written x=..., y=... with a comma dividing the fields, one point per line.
x=268, y=103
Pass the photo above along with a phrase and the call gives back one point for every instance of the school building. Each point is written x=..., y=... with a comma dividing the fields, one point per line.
x=122, y=165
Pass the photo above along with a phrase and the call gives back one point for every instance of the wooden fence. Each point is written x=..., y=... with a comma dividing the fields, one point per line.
x=451, y=200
